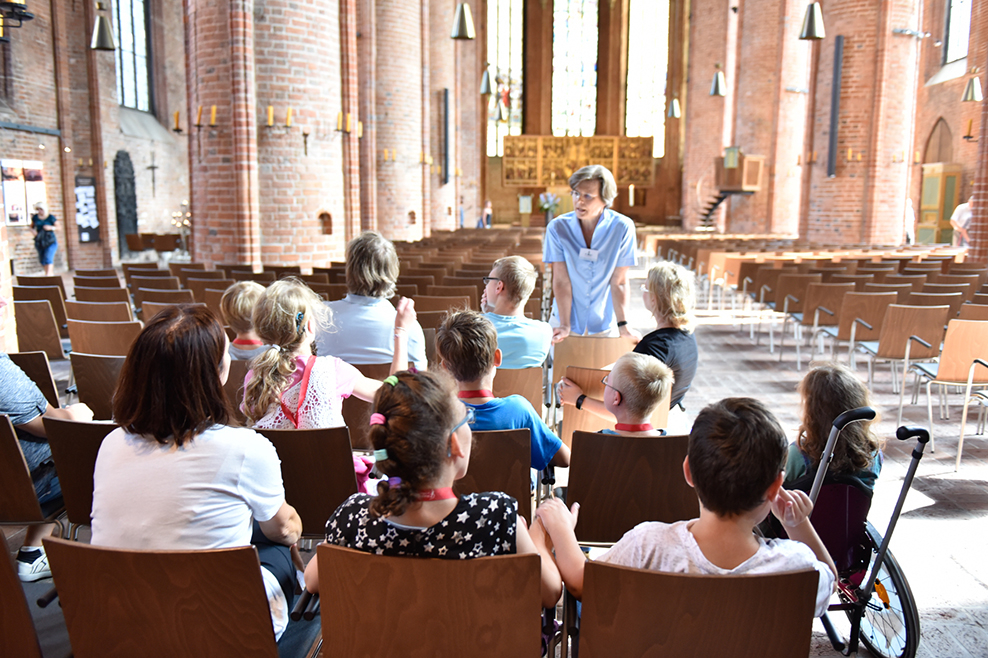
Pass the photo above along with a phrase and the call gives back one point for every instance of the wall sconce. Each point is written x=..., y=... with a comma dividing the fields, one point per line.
x=102, y=31
x=463, y=23
x=485, y=81
x=968, y=136
x=501, y=114
x=13, y=14
x=719, y=85
x=972, y=92
x=177, y=128
x=813, y=24
x=675, y=111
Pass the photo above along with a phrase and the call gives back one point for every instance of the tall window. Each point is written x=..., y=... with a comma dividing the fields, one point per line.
x=133, y=52
x=505, y=50
x=574, y=67
x=648, y=58
x=958, y=30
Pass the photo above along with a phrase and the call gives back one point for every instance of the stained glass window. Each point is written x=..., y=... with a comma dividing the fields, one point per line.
x=574, y=67
x=130, y=22
x=958, y=34
x=505, y=52
x=648, y=58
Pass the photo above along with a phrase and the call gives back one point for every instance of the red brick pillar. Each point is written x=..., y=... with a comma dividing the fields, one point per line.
x=865, y=201
x=709, y=120
x=367, y=72
x=223, y=171
x=398, y=118
x=351, y=108
x=471, y=119
x=978, y=229
x=444, y=137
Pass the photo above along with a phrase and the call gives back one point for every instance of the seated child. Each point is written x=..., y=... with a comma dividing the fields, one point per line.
x=237, y=306
x=422, y=441
x=827, y=391
x=466, y=344
x=633, y=389
x=288, y=386
x=524, y=343
x=734, y=462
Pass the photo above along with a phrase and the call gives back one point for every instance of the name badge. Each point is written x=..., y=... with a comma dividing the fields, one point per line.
x=589, y=254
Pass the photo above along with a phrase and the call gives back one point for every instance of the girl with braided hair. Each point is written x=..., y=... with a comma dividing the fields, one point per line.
x=421, y=434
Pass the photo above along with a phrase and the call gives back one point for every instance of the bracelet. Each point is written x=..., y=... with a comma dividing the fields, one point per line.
x=579, y=401
x=622, y=323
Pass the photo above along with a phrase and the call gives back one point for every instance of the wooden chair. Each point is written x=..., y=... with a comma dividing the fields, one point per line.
x=198, y=286
x=144, y=273
x=234, y=388
x=973, y=280
x=313, y=278
x=162, y=603
x=245, y=275
x=822, y=300
x=167, y=243
x=99, y=311
x=356, y=412
x=590, y=380
x=408, y=275
x=501, y=460
x=331, y=292
x=946, y=288
x=74, y=447
x=151, y=309
x=973, y=312
x=431, y=319
x=35, y=365
x=859, y=318
x=954, y=300
x=636, y=612
x=18, y=502
x=422, y=283
x=980, y=298
x=170, y=297
x=134, y=242
x=283, y=271
x=859, y=280
x=587, y=352
x=176, y=268
x=790, y=295
x=486, y=607
x=212, y=301
x=107, y=338
x=154, y=283
x=96, y=378
x=186, y=273
x=456, y=291
x=424, y=303
x=39, y=281
x=916, y=280
x=54, y=295
x=317, y=468
x=526, y=382
x=96, y=282
x=902, y=326
x=37, y=330
x=101, y=295
x=103, y=273
x=17, y=634
x=145, y=266
x=903, y=290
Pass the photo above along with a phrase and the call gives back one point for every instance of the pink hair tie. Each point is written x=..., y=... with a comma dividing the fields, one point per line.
x=377, y=419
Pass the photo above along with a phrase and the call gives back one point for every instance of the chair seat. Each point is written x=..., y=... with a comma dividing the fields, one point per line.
x=928, y=370
x=869, y=346
x=798, y=317
x=830, y=331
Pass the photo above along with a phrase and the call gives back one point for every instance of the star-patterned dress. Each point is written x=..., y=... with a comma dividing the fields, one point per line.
x=480, y=525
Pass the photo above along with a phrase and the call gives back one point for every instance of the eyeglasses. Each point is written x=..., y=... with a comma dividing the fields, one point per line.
x=488, y=279
x=645, y=288
x=468, y=419
x=604, y=382
x=586, y=197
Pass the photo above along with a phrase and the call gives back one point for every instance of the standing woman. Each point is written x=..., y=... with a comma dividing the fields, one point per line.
x=45, y=240
x=486, y=215
x=591, y=250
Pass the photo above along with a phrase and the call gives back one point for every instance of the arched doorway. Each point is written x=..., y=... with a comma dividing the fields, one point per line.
x=126, y=199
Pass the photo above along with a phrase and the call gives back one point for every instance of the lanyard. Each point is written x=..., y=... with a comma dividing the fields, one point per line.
x=482, y=393
x=296, y=417
x=444, y=493
x=626, y=427
x=246, y=341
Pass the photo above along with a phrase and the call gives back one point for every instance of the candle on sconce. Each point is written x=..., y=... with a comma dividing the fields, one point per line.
x=799, y=160
x=859, y=157
x=339, y=125
x=349, y=121
x=916, y=158
x=631, y=195
x=814, y=156
x=394, y=155
x=212, y=115
x=288, y=117
x=360, y=129
x=270, y=115
x=848, y=154
x=176, y=119
x=199, y=116
x=970, y=126
x=385, y=155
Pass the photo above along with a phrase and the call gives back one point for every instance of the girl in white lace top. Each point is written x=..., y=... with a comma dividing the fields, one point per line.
x=288, y=386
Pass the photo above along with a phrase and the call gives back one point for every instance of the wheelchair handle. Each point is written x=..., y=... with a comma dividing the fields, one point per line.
x=854, y=415
x=905, y=433
x=842, y=421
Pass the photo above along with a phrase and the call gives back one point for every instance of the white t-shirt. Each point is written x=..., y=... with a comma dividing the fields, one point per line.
x=363, y=333
x=149, y=496
x=671, y=548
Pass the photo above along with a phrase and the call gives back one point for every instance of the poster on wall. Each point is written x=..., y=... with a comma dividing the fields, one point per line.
x=85, y=209
x=14, y=201
x=34, y=186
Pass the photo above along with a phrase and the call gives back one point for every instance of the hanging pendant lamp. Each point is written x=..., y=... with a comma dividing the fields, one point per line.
x=719, y=86
x=485, y=83
x=463, y=23
x=972, y=92
x=674, y=110
x=102, y=32
x=813, y=24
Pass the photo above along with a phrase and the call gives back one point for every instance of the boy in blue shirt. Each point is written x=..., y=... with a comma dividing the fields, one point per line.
x=466, y=344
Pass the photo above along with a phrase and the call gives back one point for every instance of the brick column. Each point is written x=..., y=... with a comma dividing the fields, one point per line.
x=470, y=119
x=428, y=119
x=351, y=107
x=978, y=229
x=612, y=67
x=445, y=136
x=367, y=97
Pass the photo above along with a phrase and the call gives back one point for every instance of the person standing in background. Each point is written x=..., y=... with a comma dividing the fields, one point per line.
x=45, y=240
x=959, y=221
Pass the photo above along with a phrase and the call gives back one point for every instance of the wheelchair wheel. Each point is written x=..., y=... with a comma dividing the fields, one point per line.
x=890, y=624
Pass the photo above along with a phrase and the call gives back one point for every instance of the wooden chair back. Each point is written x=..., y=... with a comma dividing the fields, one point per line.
x=309, y=279
x=212, y=301
x=980, y=298
x=37, y=330
x=18, y=502
x=176, y=267
x=431, y=319
x=964, y=289
x=902, y=321
x=422, y=283
x=929, y=266
x=767, y=277
x=186, y=273
x=199, y=286
x=621, y=481
x=35, y=365
x=916, y=280
x=317, y=468
x=55, y=297
x=162, y=603
x=424, y=303
x=456, y=291
x=581, y=420
x=356, y=412
x=437, y=274
x=107, y=338
x=146, y=266
x=879, y=271
x=39, y=281
x=526, y=382
x=794, y=287
x=331, y=292
x=965, y=341
x=954, y=300
x=430, y=345
x=74, y=447
x=476, y=281
x=151, y=309
x=501, y=460
x=154, y=283
x=284, y=271
x=96, y=282
x=103, y=273
x=167, y=242
x=171, y=296
x=96, y=378
x=973, y=312
x=701, y=615
x=587, y=352
x=145, y=273
x=859, y=280
x=902, y=290
x=17, y=634
x=867, y=306
x=134, y=242
x=99, y=311
x=484, y=608
x=234, y=388
x=101, y=295
x=828, y=295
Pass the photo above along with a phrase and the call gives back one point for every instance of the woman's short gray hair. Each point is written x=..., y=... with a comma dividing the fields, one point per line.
x=608, y=187
x=371, y=266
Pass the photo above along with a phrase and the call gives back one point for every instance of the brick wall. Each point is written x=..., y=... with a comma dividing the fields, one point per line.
x=442, y=75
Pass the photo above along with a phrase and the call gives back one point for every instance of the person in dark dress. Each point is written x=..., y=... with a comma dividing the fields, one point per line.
x=45, y=240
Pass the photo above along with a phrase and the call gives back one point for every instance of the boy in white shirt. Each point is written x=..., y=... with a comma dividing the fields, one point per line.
x=734, y=462
x=524, y=342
